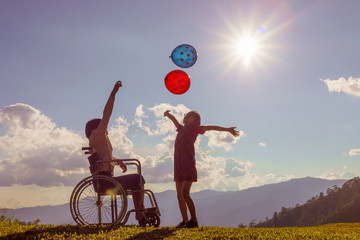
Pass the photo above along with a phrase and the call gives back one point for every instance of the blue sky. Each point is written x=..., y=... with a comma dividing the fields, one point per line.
x=294, y=99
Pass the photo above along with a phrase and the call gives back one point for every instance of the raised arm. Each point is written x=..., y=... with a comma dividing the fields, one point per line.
x=109, y=107
x=222, y=129
x=171, y=117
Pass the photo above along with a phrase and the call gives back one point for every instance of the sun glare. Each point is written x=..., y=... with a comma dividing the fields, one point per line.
x=251, y=42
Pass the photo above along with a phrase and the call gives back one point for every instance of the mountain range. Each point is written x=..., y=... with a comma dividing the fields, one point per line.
x=222, y=209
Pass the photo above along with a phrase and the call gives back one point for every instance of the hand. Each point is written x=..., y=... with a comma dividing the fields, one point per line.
x=122, y=165
x=167, y=113
x=234, y=132
x=117, y=85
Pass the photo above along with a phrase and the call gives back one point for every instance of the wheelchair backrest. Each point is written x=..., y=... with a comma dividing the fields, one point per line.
x=92, y=159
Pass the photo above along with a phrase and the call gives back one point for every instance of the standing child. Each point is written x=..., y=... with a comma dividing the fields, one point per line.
x=184, y=161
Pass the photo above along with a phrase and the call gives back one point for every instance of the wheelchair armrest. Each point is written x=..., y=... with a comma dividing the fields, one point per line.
x=130, y=161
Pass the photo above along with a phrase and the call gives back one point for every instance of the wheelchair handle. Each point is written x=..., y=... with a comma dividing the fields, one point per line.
x=87, y=149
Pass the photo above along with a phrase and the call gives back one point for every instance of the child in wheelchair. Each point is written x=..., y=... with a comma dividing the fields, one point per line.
x=101, y=149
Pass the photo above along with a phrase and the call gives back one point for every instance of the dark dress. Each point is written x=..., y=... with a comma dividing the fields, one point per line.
x=184, y=153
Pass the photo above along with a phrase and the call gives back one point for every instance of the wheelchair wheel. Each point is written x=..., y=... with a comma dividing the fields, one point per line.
x=98, y=200
x=154, y=219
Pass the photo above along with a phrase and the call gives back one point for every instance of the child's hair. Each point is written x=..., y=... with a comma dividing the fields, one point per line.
x=196, y=116
x=91, y=125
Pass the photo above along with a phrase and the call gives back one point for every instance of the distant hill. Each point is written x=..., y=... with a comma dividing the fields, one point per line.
x=226, y=209
x=337, y=205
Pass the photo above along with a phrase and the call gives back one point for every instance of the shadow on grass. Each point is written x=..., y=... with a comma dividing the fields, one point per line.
x=158, y=233
x=71, y=231
x=39, y=231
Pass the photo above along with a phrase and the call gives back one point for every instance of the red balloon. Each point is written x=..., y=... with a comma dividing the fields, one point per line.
x=177, y=82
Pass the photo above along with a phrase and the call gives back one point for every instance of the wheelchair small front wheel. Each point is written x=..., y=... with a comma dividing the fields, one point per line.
x=153, y=219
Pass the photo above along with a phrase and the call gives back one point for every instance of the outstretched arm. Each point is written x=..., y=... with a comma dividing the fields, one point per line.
x=222, y=129
x=171, y=117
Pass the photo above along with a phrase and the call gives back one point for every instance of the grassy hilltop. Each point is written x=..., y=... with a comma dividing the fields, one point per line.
x=10, y=230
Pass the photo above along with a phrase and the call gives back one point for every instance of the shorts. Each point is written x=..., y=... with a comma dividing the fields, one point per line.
x=128, y=182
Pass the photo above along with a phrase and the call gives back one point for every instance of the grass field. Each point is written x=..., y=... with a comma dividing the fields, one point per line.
x=10, y=230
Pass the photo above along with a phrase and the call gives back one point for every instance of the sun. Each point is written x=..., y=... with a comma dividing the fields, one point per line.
x=247, y=48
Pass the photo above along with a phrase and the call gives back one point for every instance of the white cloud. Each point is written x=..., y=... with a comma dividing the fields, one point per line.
x=162, y=125
x=354, y=152
x=122, y=145
x=350, y=86
x=262, y=144
x=35, y=151
x=337, y=175
x=139, y=113
x=222, y=139
x=138, y=119
x=230, y=174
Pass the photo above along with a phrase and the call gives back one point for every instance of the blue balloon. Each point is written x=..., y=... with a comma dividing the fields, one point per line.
x=184, y=55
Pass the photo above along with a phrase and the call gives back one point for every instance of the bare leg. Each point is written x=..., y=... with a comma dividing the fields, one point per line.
x=181, y=200
x=133, y=181
x=138, y=199
x=189, y=202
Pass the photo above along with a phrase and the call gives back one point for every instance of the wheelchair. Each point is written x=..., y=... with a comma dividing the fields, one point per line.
x=101, y=200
